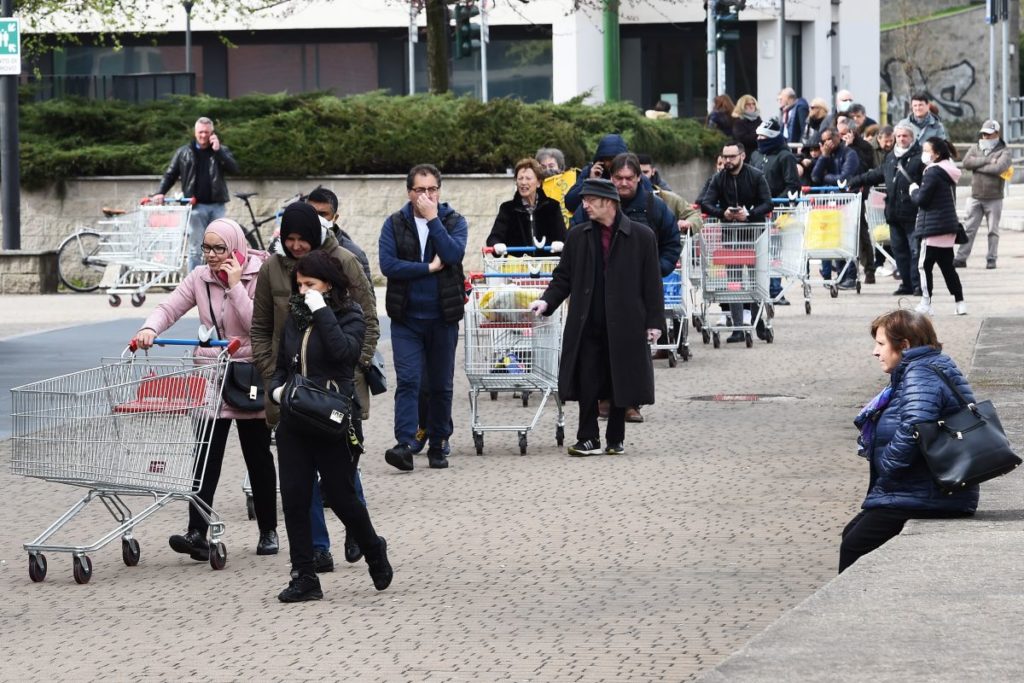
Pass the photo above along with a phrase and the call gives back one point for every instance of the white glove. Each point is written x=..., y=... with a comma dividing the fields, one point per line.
x=556, y=247
x=276, y=394
x=314, y=300
x=793, y=196
x=841, y=183
x=914, y=187
x=653, y=335
x=539, y=307
x=500, y=249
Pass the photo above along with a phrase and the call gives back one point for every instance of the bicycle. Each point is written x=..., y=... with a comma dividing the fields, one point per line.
x=81, y=259
x=252, y=234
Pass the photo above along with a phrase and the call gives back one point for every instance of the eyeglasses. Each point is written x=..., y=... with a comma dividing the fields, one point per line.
x=218, y=249
x=425, y=190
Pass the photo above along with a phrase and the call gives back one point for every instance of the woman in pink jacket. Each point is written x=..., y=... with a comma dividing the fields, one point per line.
x=222, y=291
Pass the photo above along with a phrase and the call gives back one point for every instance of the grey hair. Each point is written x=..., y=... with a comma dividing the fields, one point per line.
x=788, y=92
x=204, y=120
x=555, y=154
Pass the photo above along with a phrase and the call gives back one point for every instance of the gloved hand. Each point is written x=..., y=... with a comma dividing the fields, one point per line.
x=315, y=300
x=556, y=247
x=500, y=249
x=794, y=195
x=653, y=336
x=914, y=187
x=276, y=394
x=539, y=307
x=841, y=183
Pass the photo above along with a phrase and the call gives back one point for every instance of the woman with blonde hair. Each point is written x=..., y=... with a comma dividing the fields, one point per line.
x=745, y=119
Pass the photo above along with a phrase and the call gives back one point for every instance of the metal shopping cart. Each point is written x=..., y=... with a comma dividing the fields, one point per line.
x=786, y=247
x=134, y=426
x=675, y=288
x=734, y=270
x=833, y=232
x=144, y=249
x=878, y=227
x=508, y=349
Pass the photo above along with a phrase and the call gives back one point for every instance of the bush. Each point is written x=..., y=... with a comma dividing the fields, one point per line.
x=319, y=134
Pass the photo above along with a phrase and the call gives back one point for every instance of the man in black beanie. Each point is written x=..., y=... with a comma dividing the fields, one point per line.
x=301, y=233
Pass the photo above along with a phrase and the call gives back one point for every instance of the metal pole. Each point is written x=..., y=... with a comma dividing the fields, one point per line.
x=992, y=71
x=10, y=171
x=712, y=48
x=188, y=36
x=484, y=39
x=612, y=91
x=1006, y=66
x=413, y=39
x=782, y=44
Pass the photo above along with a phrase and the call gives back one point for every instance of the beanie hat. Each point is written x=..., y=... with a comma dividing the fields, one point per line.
x=301, y=218
x=770, y=128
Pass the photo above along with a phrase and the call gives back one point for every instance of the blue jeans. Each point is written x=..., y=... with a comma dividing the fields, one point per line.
x=424, y=346
x=201, y=216
x=318, y=523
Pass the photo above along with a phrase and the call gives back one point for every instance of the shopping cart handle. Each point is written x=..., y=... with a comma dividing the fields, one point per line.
x=232, y=344
x=519, y=250
x=820, y=188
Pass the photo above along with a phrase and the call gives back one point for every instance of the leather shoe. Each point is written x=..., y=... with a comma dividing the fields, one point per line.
x=436, y=458
x=323, y=561
x=301, y=588
x=267, y=544
x=352, y=551
x=633, y=414
x=379, y=567
x=192, y=543
x=400, y=457
x=735, y=337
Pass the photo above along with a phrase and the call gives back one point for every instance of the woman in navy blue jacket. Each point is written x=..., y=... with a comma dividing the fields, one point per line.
x=901, y=486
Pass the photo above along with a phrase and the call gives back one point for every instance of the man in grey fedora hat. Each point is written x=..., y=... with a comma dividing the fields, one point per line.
x=610, y=267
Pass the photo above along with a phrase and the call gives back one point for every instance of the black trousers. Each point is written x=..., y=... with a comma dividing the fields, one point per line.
x=870, y=529
x=594, y=382
x=943, y=256
x=254, y=436
x=300, y=458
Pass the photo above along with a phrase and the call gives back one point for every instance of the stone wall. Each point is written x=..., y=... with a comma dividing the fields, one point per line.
x=28, y=272
x=47, y=217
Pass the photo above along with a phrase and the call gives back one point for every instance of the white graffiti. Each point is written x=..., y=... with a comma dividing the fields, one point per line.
x=947, y=86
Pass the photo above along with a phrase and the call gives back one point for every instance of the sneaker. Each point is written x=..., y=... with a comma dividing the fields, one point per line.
x=588, y=447
x=379, y=567
x=957, y=263
x=267, y=545
x=302, y=588
x=323, y=561
x=192, y=543
x=925, y=307
x=990, y=265
x=400, y=457
x=352, y=551
x=782, y=301
x=615, y=448
x=420, y=441
x=847, y=284
x=436, y=458
x=961, y=308
x=735, y=337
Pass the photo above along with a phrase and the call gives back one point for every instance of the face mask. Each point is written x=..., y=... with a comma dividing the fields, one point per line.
x=844, y=106
x=987, y=145
x=900, y=151
x=324, y=223
x=926, y=158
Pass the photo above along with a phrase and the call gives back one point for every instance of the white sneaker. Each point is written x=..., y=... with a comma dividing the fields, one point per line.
x=925, y=307
x=961, y=308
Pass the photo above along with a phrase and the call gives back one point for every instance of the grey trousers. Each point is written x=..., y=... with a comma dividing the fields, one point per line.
x=991, y=209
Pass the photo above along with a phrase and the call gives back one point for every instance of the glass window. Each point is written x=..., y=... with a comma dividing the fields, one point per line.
x=515, y=68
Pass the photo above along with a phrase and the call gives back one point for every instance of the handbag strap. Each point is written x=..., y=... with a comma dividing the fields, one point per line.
x=213, y=316
x=952, y=387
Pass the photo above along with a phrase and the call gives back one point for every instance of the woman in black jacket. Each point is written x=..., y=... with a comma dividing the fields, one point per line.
x=530, y=218
x=321, y=340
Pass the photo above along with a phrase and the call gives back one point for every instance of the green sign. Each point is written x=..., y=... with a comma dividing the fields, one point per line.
x=10, y=47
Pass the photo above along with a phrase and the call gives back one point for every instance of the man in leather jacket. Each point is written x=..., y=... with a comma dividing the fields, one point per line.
x=200, y=166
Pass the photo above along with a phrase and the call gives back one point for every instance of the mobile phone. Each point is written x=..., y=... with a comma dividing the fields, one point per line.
x=239, y=256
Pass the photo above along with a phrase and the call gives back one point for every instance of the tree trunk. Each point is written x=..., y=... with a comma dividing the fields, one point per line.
x=437, y=46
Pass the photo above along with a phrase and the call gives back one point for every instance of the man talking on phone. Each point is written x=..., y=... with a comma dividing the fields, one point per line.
x=200, y=166
x=608, y=147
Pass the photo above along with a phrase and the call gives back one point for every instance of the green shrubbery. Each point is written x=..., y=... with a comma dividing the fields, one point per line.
x=318, y=134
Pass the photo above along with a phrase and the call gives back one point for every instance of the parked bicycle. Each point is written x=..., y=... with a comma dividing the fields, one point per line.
x=252, y=234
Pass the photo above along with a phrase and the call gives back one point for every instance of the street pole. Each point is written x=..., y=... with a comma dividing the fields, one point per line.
x=1006, y=64
x=413, y=39
x=782, y=44
x=484, y=38
x=10, y=171
x=188, y=35
x=992, y=71
x=712, y=57
x=612, y=91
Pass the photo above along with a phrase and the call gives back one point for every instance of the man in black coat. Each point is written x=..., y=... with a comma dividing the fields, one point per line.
x=610, y=267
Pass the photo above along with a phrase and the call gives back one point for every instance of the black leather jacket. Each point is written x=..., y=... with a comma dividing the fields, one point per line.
x=748, y=189
x=183, y=167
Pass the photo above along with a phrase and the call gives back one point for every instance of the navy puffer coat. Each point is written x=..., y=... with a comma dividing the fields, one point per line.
x=899, y=474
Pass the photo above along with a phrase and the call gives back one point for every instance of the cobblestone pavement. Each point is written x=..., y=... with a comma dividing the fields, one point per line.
x=654, y=565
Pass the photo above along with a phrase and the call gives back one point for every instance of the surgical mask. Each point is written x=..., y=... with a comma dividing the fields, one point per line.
x=926, y=158
x=988, y=145
x=844, y=105
x=900, y=151
x=324, y=223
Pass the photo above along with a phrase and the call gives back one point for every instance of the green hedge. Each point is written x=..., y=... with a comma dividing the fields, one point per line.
x=319, y=134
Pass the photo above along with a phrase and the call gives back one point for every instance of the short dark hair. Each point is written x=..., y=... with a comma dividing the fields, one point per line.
x=321, y=195
x=422, y=169
x=886, y=130
x=623, y=160
x=662, y=105
x=904, y=325
x=920, y=96
x=733, y=143
x=645, y=159
x=856, y=109
x=321, y=265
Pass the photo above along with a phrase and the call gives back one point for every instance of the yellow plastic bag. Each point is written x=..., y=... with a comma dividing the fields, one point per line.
x=824, y=230
x=507, y=303
x=1007, y=175
x=556, y=186
x=880, y=232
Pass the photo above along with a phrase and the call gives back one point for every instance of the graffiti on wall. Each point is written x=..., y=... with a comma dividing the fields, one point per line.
x=947, y=86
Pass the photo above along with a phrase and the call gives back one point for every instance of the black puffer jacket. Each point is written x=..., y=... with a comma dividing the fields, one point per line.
x=935, y=201
x=748, y=189
x=899, y=208
x=514, y=226
x=183, y=167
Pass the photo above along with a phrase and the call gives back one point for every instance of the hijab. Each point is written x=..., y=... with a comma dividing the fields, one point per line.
x=229, y=231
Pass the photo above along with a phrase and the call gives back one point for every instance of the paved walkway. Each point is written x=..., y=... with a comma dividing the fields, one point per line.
x=656, y=565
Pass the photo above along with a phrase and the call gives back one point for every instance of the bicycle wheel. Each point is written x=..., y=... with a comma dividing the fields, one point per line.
x=78, y=266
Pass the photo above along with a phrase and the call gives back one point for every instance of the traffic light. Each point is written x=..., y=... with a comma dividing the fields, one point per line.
x=467, y=33
x=727, y=20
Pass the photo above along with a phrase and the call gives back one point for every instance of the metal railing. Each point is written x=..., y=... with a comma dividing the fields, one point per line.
x=1015, y=121
x=127, y=87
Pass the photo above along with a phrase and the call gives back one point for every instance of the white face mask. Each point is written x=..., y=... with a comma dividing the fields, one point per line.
x=844, y=105
x=926, y=157
x=900, y=151
x=987, y=145
x=324, y=223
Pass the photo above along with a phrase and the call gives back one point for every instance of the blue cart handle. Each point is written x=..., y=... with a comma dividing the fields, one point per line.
x=231, y=345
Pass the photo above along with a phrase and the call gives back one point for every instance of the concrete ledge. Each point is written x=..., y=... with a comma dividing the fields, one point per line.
x=28, y=272
x=942, y=601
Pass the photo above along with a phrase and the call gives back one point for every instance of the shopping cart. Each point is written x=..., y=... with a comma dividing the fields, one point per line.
x=508, y=349
x=833, y=232
x=134, y=426
x=144, y=249
x=878, y=227
x=786, y=247
x=675, y=288
x=734, y=269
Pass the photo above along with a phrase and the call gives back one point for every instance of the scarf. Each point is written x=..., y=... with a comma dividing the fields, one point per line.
x=752, y=116
x=300, y=311
x=771, y=145
x=867, y=420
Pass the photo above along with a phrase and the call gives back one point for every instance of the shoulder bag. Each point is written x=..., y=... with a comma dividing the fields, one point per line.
x=243, y=383
x=961, y=232
x=967, y=447
x=376, y=380
x=320, y=412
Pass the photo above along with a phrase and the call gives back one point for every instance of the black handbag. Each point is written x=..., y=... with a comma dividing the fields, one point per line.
x=967, y=447
x=243, y=383
x=318, y=411
x=961, y=234
x=376, y=380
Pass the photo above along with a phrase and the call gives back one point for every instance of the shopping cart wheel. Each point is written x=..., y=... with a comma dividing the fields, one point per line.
x=705, y=336
x=672, y=359
x=807, y=307
x=749, y=339
x=833, y=291
x=250, y=507
x=138, y=299
x=858, y=286
x=82, y=568
x=130, y=551
x=716, y=340
x=36, y=567
x=684, y=353
x=559, y=435
x=494, y=395
x=526, y=399
x=478, y=442
x=218, y=555
x=697, y=324
x=769, y=335
x=114, y=300
x=522, y=443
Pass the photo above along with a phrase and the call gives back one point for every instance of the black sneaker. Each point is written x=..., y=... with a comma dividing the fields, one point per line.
x=903, y=291
x=615, y=448
x=918, y=292
x=735, y=337
x=323, y=561
x=957, y=263
x=302, y=588
x=379, y=567
x=436, y=458
x=267, y=544
x=399, y=456
x=352, y=551
x=192, y=543
x=588, y=447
